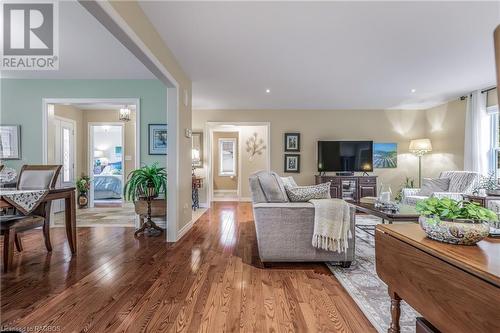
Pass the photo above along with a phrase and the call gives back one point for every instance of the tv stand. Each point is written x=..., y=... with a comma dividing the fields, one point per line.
x=350, y=188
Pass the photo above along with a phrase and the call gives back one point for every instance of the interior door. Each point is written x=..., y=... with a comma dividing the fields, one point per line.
x=64, y=154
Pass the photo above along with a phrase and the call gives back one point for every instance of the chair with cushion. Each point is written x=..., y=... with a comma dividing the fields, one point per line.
x=31, y=177
x=285, y=229
x=460, y=183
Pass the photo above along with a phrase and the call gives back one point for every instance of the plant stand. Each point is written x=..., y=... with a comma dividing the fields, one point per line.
x=149, y=228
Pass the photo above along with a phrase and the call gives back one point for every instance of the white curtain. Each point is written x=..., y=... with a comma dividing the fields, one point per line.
x=477, y=134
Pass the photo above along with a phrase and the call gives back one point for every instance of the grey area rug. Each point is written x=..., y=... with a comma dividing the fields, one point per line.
x=363, y=285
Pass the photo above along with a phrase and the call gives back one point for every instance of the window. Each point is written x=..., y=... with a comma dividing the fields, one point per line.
x=227, y=157
x=66, y=150
x=495, y=141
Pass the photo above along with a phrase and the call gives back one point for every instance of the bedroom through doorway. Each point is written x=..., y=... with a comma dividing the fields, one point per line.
x=97, y=140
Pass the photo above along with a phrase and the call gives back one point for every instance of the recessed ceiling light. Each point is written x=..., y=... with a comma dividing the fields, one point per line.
x=413, y=91
x=268, y=91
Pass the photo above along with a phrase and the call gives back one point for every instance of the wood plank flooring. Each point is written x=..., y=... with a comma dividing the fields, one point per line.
x=210, y=281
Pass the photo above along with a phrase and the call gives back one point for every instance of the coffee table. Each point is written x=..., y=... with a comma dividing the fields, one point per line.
x=406, y=213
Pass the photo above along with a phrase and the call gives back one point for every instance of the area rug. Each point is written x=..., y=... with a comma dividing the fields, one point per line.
x=363, y=285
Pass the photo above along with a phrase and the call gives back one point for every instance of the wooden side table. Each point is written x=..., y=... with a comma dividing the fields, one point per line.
x=484, y=201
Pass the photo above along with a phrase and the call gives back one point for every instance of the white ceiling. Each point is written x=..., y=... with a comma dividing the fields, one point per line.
x=329, y=55
x=87, y=51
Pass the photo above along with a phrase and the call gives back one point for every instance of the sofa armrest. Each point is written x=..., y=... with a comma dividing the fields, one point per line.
x=449, y=195
x=408, y=192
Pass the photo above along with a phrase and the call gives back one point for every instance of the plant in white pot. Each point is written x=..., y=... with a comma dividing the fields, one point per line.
x=146, y=183
x=455, y=222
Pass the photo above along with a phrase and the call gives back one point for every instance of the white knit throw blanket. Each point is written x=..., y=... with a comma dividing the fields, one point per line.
x=331, y=224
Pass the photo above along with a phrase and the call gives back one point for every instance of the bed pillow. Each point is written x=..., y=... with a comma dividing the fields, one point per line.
x=431, y=185
x=306, y=193
x=289, y=182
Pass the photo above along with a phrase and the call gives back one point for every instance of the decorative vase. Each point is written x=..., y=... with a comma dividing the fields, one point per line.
x=83, y=200
x=460, y=232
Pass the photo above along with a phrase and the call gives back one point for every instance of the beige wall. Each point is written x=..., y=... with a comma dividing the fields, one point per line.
x=133, y=15
x=251, y=165
x=111, y=116
x=444, y=125
x=224, y=182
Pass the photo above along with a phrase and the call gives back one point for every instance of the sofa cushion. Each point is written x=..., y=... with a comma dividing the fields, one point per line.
x=431, y=185
x=461, y=181
x=272, y=187
x=288, y=182
x=306, y=193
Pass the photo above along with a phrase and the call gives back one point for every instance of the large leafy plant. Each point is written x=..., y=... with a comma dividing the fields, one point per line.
x=147, y=177
x=449, y=209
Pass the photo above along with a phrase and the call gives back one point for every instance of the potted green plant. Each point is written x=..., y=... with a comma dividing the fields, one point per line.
x=146, y=183
x=455, y=222
x=83, y=187
x=408, y=183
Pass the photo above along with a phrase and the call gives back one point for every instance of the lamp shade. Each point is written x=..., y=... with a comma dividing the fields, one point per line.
x=420, y=146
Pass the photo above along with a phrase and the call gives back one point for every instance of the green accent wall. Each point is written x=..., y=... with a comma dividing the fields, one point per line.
x=21, y=104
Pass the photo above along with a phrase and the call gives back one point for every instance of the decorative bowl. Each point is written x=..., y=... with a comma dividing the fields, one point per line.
x=461, y=232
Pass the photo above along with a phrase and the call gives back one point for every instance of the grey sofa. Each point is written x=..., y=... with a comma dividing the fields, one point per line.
x=461, y=182
x=285, y=229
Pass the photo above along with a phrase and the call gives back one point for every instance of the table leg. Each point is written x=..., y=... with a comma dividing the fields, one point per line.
x=395, y=312
x=70, y=220
x=8, y=248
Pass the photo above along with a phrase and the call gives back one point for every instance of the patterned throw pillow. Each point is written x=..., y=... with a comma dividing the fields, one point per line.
x=306, y=193
x=431, y=185
x=289, y=182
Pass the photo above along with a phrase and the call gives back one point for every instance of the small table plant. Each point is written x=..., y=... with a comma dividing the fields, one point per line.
x=146, y=183
x=83, y=187
x=455, y=222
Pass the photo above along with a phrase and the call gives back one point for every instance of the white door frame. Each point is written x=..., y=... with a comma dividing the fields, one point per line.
x=104, y=12
x=210, y=128
x=90, y=152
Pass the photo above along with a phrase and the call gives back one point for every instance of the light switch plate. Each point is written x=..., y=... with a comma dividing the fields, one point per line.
x=188, y=132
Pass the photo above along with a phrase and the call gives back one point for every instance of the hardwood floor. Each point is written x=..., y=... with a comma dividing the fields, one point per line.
x=210, y=281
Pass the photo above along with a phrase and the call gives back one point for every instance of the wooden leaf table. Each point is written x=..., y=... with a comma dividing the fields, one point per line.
x=455, y=287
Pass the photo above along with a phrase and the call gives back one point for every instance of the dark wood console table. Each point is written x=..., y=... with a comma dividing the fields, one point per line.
x=350, y=188
x=455, y=287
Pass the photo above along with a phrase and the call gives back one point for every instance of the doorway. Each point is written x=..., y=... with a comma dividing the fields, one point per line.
x=235, y=150
x=225, y=154
x=99, y=139
x=106, y=164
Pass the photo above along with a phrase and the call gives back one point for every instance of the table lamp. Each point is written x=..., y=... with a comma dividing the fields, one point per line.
x=420, y=147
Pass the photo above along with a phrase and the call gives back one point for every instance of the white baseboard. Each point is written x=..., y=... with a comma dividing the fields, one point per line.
x=246, y=199
x=187, y=227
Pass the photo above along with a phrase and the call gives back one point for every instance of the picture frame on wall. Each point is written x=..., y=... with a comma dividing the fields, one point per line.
x=385, y=155
x=10, y=142
x=292, y=142
x=158, y=139
x=292, y=163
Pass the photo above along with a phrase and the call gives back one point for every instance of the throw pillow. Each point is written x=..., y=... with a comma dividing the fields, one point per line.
x=431, y=185
x=289, y=182
x=272, y=186
x=306, y=193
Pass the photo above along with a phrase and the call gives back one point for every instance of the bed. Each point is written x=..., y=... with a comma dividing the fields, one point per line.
x=108, y=187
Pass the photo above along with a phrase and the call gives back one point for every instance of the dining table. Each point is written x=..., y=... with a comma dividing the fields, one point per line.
x=69, y=197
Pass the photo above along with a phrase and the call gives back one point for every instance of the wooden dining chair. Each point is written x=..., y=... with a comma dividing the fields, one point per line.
x=31, y=177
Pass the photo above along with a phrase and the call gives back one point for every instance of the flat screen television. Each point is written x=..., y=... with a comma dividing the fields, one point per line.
x=352, y=156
